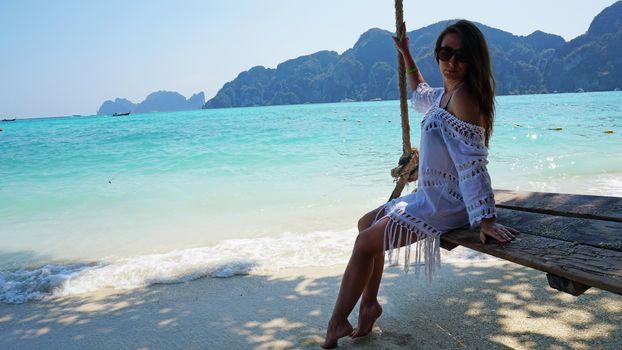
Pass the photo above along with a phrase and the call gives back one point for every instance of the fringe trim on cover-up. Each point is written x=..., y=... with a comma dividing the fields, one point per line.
x=427, y=241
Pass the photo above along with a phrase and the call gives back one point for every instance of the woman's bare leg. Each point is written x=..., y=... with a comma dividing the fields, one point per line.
x=370, y=309
x=368, y=245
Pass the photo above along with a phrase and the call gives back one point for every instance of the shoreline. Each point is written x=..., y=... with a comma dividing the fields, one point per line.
x=488, y=304
x=307, y=103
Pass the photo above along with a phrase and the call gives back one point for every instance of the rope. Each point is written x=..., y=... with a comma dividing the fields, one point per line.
x=407, y=168
x=401, y=72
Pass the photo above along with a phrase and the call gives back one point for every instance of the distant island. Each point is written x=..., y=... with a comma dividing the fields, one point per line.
x=159, y=101
x=536, y=63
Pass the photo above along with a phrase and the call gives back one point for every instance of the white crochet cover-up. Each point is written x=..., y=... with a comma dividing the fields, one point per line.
x=453, y=188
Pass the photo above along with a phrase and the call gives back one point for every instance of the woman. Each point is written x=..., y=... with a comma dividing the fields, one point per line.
x=453, y=188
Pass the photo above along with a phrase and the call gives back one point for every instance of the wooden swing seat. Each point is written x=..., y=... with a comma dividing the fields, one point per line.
x=575, y=239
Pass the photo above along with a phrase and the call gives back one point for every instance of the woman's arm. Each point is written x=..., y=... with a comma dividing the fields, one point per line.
x=464, y=107
x=412, y=72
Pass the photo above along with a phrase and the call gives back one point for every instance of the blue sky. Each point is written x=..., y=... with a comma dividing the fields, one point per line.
x=66, y=57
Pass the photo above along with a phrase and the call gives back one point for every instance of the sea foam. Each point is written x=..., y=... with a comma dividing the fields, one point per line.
x=226, y=259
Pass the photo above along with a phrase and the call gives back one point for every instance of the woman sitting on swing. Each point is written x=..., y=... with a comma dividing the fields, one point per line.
x=454, y=187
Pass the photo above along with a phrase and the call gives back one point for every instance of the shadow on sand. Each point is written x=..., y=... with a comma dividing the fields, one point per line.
x=484, y=305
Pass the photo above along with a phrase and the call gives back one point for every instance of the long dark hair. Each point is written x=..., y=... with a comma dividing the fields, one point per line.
x=479, y=78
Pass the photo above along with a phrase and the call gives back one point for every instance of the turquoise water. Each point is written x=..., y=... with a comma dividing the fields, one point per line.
x=168, y=196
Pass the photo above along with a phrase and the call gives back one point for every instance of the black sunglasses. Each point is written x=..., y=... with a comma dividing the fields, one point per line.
x=445, y=53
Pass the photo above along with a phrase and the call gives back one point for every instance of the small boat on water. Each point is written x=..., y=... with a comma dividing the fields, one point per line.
x=8, y=120
x=120, y=114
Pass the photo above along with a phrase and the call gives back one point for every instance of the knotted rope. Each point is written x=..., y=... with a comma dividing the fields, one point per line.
x=407, y=168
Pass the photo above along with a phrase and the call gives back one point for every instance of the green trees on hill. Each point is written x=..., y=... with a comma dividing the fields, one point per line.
x=537, y=63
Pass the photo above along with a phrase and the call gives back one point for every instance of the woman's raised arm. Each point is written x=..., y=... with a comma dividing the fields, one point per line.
x=412, y=72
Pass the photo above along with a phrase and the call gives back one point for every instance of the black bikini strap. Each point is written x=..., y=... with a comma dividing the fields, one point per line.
x=452, y=95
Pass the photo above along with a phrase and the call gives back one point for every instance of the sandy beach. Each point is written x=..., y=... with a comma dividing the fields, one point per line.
x=487, y=304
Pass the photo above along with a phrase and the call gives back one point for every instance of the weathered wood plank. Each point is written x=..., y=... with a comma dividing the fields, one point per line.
x=583, y=206
x=566, y=285
x=575, y=239
x=597, y=233
x=448, y=246
x=592, y=266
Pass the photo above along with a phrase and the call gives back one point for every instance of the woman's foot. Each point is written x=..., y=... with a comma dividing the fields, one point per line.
x=368, y=314
x=335, y=331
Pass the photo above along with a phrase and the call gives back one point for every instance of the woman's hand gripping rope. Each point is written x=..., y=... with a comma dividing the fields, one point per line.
x=402, y=43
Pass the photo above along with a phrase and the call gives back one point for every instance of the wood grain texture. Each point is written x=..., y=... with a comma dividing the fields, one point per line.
x=575, y=247
x=592, y=266
x=597, y=233
x=560, y=204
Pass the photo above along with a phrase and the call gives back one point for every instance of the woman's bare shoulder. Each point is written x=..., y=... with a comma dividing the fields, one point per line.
x=465, y=107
